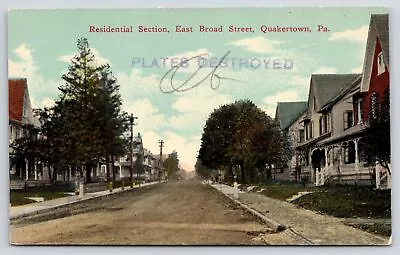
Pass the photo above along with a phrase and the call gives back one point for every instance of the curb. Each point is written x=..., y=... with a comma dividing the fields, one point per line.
x=275, y=226
x=44, y=210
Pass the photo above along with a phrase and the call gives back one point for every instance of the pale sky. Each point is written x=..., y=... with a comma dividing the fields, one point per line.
x=41, y=42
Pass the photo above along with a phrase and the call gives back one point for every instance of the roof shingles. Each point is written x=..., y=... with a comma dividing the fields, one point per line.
x=327, y=86
x=16, y=94
x=288, y=112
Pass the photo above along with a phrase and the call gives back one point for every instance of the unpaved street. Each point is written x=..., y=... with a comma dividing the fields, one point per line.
x=184, y=212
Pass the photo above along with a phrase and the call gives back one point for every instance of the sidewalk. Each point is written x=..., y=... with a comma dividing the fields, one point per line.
x=34, y=208
x=303, y=226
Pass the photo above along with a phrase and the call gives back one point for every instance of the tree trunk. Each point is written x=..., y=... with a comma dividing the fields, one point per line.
x=107, y=168
x=49, y=171
x=55, y=170
x=269, y=172
x=113, y=169
x=242, y=172
x=88, y=169
x=229, y=174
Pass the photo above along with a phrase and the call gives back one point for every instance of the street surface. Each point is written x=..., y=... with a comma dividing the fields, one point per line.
x=183, y=212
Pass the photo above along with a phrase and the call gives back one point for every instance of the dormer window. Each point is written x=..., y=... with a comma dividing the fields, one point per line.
x=381, y=63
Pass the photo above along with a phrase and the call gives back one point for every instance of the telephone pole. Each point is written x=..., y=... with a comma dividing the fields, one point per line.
x=131, y=123
x=161, y=144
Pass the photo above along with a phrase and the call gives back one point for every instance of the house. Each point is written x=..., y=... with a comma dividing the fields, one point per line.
x=144, y=164
x=150, y=165
x=375, y=81
x=337, y=118
x=327, y=116
x=20, y=119
x=296, y=136
x=286, y=114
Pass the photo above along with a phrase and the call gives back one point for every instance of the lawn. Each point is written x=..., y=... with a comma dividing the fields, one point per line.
x=339, y=201
x=349, y=202
x=284, y=191
x=18, y=197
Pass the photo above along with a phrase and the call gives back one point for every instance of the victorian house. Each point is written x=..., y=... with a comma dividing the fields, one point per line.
x=329, y=147
x=285, y=117
x=328, y=116
x=375, y=81
x=20, y=121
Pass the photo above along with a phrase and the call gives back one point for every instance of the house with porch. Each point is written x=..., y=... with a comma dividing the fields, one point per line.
x=144, y=164
x=328, y=116
x=286, y=114
x=375, y=82
x=20, y=120
x=339, y=107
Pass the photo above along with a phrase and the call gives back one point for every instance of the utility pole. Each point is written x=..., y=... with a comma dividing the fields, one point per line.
x=161, y=144
x=131, y=122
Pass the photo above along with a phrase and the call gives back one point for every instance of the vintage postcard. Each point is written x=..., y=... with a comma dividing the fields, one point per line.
x=231, y=126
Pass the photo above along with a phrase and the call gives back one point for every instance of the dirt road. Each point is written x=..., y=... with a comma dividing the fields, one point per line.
x=183, y=212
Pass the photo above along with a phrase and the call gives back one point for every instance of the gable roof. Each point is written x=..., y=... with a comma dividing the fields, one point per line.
x=288, y=112
x=16, y=94
x=19, y=103
x=352, y=88
x=378, y=28
x=326, y=87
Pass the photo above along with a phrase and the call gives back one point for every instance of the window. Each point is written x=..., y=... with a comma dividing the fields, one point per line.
x=323, y=124
x=360, y=111
x=321, y=131
x=326, y=129
x=315, y=104
x=306, y=131
x=301, y=136
x=311, y=130
x=347, y=119
x=381, y=63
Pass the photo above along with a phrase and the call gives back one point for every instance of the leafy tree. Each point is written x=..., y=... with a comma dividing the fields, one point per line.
x=171, y=164
x=240, y=134
x=376, y=142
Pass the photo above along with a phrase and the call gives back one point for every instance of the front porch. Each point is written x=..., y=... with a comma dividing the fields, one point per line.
x=340, y=163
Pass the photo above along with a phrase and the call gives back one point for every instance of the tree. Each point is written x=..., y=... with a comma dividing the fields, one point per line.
x=376, y=142
x=25, y=149
x=86, y=125
x=202, y=170
x=240, y=134
x=171, y=164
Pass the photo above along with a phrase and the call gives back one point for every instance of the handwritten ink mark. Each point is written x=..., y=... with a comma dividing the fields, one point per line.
x=215, y=79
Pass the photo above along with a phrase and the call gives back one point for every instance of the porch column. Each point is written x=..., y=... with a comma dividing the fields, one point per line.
x=326, y=156
x=36, y=174
x=377, y=176
x=311, y=168
x=26, y=170
x=120, y=171
x=356, y=160
x=356, y=149
x=69, y=173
